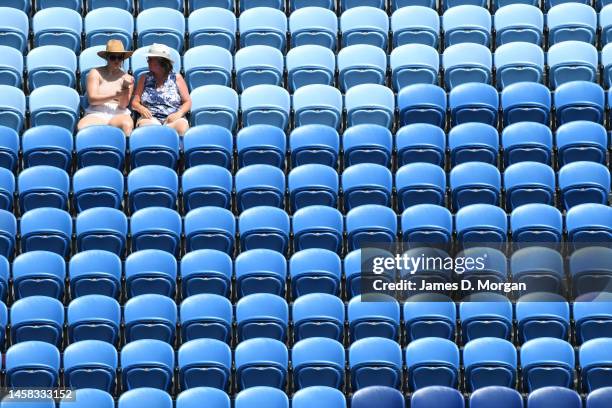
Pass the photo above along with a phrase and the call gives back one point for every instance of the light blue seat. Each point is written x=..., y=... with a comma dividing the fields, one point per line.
x=420, y=183
x=422, y=103
x=15, y=28
x=91, y=151
x=584, y=182
x=261, y=362
x=319, y=274
x=263, y=26
x=581, y=141
x=151, y=397
x=208, y=65
x=352, y=267
x=366, y=183
x=489, y=361
x=262, y=315
x=373, y=319
x=46, y=229
x=318, y=314
x=317, y=227
x=146, y=365
x=429, y=315
x=364, y=25
x=58, y=26
x=152, y=186
x=579, y=100
x=9, y=146
x=8, y=232
x=261, y=144
x=259, y=185
x=420, y=142
x=156, y=228
x=591, y=316
x=526, y=102
x=54, y=105
x=435, y=394
x=571, y=22
x=150, y=271
x=36, y=318
x=368, y=396
x=206, y=185
x=367, y=144
x=414, y=64
x=47, y=145
x=314, y=144
x=212, y=26
x=375, y=361
x=485, y=315
x=590, y=269
x=257, y=65
x=312, y=184
x=149, y=316
x=192, y=398
x=518, y=62
x=589, y=223
x=204, y=363
x=598, y=398
x=95, y=272
x=210, y=228
x=466, y=23
x=90, y=364
x=473, y=142
x=594, y=357
x=160, y=25
x=140, y=65
x=51, y=65
x=317, y=104
x=318, y=362
x=7, y=189
x=572, y=61
x=542, y=315
x=326, y=397
x=493, y=267
x=547, y=362
x=361, y=64
x=264, y=227
x=554, y=396
x=32, y=364
x=310, y=64
x=260, y=271
x=475, y=183
x=271, y=397
x=313, y=26
x=214, y=105
x=370, y=223
x=209, y=144
x=605, y=27
x=4, y=284
x=496, y=395
x=540, y=268
x=371, y=104
x=265, y=105
x=89, y=58
x=432, y=362
x=205, y=315
x=154, y=145
x=415, y=24
x=481, y=223
x=39, y=273
x=529, y=183
x=427, y=224
x=97, y=186
x=106, y=23
x=516, y=22
x=467, y=62
x=91, y=396
x=94, y=317
x=527, y=141
x=474, y=102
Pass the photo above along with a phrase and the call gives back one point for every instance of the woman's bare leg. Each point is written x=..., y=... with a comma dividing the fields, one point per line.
x=123, y=122
x=180, y=125
x=91, y=120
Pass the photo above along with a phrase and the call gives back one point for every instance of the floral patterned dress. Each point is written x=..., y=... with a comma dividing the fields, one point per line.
x=162, y=101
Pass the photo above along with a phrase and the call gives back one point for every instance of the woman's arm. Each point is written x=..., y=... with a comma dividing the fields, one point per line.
x=185, y=99
x=124, y=99
x=136, y=105
x=93, y=90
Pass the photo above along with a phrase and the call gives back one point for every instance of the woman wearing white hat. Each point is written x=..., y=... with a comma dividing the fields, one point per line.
x=162, y=96
x=109, y=89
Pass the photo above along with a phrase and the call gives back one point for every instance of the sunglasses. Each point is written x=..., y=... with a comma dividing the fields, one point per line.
x=115, y=57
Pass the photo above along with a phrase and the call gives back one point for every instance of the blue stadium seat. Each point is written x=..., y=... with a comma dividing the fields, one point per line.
x=146, y=363
x=347, y=4
x=7, y=189
x=315, y=270
x=540, y=268
x=94, y=317
x=46, y=229
x=467, y=24
x=39, y=273
x=314, y=144
x=21, y=5
x=370, y=223
x=54, y=105
x=547, y=362
x=428, y=315
x=591, y=270
x=259, y=185
x=95, y=272
x=438, y=396
x=474, y=102
x=475, y=183
x=106, y=23
x=37, y=318
x=158, y=145
x=47, y=145
x=599, y=398
x=591, y=316
x=579, y=100
x=414, y=64
x=528, y=183
x=206, y=316
x=571, y=22
x=542, y=315
x=4, y=284
x=140, y=65
x=206, y=185
x=51, y=65
x=261, y=144
x=352, y=268
x=493, y=267
x=90, y=364
x=257, y=396
x=9, y=142
x=214, y=278
x=372, y=395
x=212, y=26
x=15, y=28
x=538, y=223
x=257, y=65
x=193, y=398
x=43, y=186
x=298, y=4
x=318, y=315
x=426, y=272
x=265, y=105
x=584, y=182
x=318, y=362
x=160, y=25
x=589, y=223
x=89, y=397
x=366, y=183
x=150, y=271
x=325, y=397
x=263, y=26
x=204, y=363
x=581, y=141
x=554, y=396
x=264, y=227
x=310, y=64
x=481, y=223
x=8, y=233
x=150, y=397
x=92, y=150
x=373, y=319
x=572, y=61
x=262, y=315
x=312, y=184
x=526, y=102
x=150, y=316
x=370, y=104
x=97, y=186
x=416, y=22
x=72, y=4
x=261, y=362
x=152, y=186
x=518, y=62
x=156, y=228
x=527, y=142
x=317, y=227
x=58, y=26
x=313, y=26
x=317, y=104
x=375, y=361
x=361, y=64
x=420, y=183
x=489, y=361
x=208, y=65
x=89, y=58
x=364, y=25
x=497, y=396
x=465, y=63
x=432, y=362
x=428, y=224
x=367, y=144
x=209, y=144
x=420, y=142
x=32, y=364
x=594, y=357
x=605, y=26
x=515, y=22
x=454, y=3
x=422, y=103
x=260, y=271
x=473, y=141
x=485, y=315
x=171, y=4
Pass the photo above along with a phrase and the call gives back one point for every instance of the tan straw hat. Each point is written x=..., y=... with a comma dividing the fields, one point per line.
x=114, y=47
x=160, y=51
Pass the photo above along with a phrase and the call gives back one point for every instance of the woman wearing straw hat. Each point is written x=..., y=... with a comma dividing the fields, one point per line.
x=161, y=96
x=109, y=89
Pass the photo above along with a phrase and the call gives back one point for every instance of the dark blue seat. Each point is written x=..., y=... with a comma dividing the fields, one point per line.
x=156, y=228
x=599, y=398
x=473, y=141
x=317, y=227
x=375, y=361
x=318, y=315
x=46, y=229
x=429, y=315
x=527, y=141
x=146, y=364
x=373, y=395
x=584, y=182
x=533, y=224
x=39, y=273
x=581, y=141
x=422, y=103
x=97, y=186
x=474, y=102
x=32, y=364
x=595, y=364
x=370, y=224
x=313, y=184
x=206, y=185
x=499, y=396
x=315, y=270
x=264, y=227
x=366, y=183
x=318, y=362
x=204, y=363
x=579, y=100
x=261, y=144
x=554, y=396
x=150, y=316
x=8, y=232
x=591, y=316
x=314, y=144
x=420, y=142
x=589, y=223
x=100, y=145
x=259, y=185
x=485, y=315
x=47, y=145
x=529, y=183
x=475, y=183
x=526, y=102
x=206, y=315
x=542, y=315
x=547, y=362
x=4, y=285
x=152, y=186
x=420, y=183
x=427, y=224
x=154, y=145
x=492, y=267
x=95, y=272
x=432, y=362
x=210, y=228
x=94, y=317
x=262, y=315
x=150, y=271
x=206, y=271
x=373, y=319
x=102, y=228
x=37, y=318
x=208, y=144
x=90, y=364
x=437, y=396
x=367, y=144
x=489, y=361
x=261, y=362
x=260, y=271
x=539, y=267
x=43, y=186
x=591, y=269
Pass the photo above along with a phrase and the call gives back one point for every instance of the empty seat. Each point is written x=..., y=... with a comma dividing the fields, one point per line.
x=149, y=396
x=571, y=22
x=264, y=227
x=591, y=316
x=46, y=229
x=90, y=364
x=206, y=316
x=150, y=316
x=54, y=105
x=327, y=397
x=4, y=284
x=204, y=363
x=579, y=100
x=314, y=144
x=259, y=185
x=154, y=145
x=161, y=25
x=489, y=361
x=95, y=272
x=51, y=65
x=139, y=63
x=8, y=233
x=212, y=26
x=265, y=104
x=416, y=23
x=547, y=362
x=373, y=319
x=206, y=185
x=492, y=269
x=432, y=362
x=481, y=223
x=208, y=144
x=260, y=271
x=584, y=182
x=318, y=315
x=473, y=142
x=370, y=223
x=375, y=361
x=589, y=223
x=214, y=105
x=420, y=142
x=193, y=397
x=496, y=395
x=272, y=397
x=467, y=24
x=32, y=364
x=206, y=271
x=94, y=317
x=37, y=318
x=361, y=64
x=542, y=315
x=315, y=270
x=538, y=223
x=434, y=394
x=475, y=183
x=146, y=364
x=262, y=315
x=591, y=270
x=460, y=69
x=298, y=4
x=257, y=65
x=97, y=186
x=152, y=186
x=317, y=104
x=422, y=103
x=572, y=61
x=515, y=22
x=150, y=271
x=605, y=26
x=454, y=3
x=208, y=65
x=414, y=64
x=526, y=102
x=58, y=26
x=598, y=398
x=261, y=144
x=263, y=26
x=428, y=224
x=9, y=145
x=366, y=183
x=92, y=150
x=429, y=315
x=7, y=189
x=312, y=184
x=313, y=26
x=156, y=228
x=368, y=396
x=581, y=141
x=353, y=268
x=261, y=362
x=318, y=362
x=367, y=144
x=485, y=315
x=310, y=64
x=529, y=182
x=518, y=62
x=594, y=357
x=364, y=25
x=43, y=186
x=89, y=397
x=527, y=142
x=103, y=24
x=371, y=104
x=39, y=273
x=474, y=102
x=540, y=268
x=15, y=28
x=317, y=227
x=554, y=396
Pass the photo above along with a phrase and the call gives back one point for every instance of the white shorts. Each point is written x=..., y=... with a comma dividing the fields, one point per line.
x=106, y=111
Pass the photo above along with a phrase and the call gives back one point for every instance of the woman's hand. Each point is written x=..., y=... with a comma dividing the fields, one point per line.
x=174, y=116
x=128, y=81
x=145, y=113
